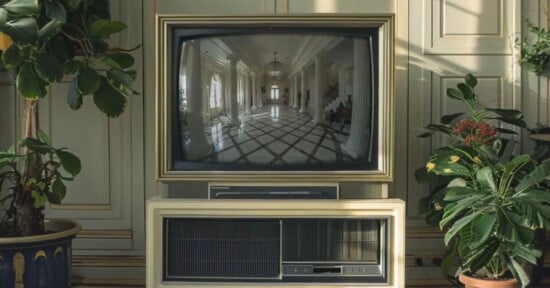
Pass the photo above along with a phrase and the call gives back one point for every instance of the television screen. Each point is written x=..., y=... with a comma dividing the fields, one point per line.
x=276, y=97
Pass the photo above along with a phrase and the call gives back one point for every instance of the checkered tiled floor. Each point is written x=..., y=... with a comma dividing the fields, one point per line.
x=275, y=134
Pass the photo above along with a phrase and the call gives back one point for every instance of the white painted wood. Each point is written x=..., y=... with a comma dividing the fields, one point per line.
x=468, y=27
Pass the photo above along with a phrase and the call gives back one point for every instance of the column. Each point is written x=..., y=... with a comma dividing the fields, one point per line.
x=223, y=111
x=319, y=91
x=303, y=92
x=357, y=143
x=254, y=92
x=247, y=91
x=198, y=146
x=260, y=94
x=233, y=90
x=296, y=104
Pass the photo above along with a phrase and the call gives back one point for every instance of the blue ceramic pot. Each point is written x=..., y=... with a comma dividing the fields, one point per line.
x=42, y=261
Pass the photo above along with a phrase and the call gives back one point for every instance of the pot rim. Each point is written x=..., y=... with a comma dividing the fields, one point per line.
x=471, y=280
x=62, y=228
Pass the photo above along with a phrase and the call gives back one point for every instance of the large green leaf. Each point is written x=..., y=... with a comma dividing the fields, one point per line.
x=483, y=228
x=103, y=28
x=518, y=227
x=466, y=91
x=88, y=81
x=529, y=254
x=56, y=11
x=22, y=31
x=48, y=67
x=447, y=119
x=482, y=256
x=3, y=17
x=119, y=60
x=69, y=161
x=518, y=272
x=454, y=209
x=539, y=174
x=59, y=190
x=458, y=193
x=536, y=195
x=74, y=97
x=39, y=199
x=29, y=84
x=23, y=7
x=12, y=57
x=471, y=80
x=109, y=100
x=459, y=224
x=506, y=113
x=455, y=94
x=120, y=81
x=484, y=177
x=36, y=145
x=49, y=30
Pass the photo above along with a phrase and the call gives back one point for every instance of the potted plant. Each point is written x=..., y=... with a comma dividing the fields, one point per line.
x=495, y=200
x=41, y=42
x=536, y=55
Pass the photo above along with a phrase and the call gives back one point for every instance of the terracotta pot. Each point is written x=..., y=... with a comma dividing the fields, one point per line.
x=472, y=282
x=38, y=261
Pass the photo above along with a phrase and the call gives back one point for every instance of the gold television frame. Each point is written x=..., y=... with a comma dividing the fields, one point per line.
x=386, y=95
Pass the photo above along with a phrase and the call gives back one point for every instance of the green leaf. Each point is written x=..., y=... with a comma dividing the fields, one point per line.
x=535, y=195
x=72, y=67
x=56, y=11
x=36, y=145
x=483, y=229
x=88, y=81
x=29, y=84
x=48, y=67
x=455, y=94
x=12, y=57
x=119, y=60
x=102, y=28
x=449, y=257
x=539, y=174
x=454, y=209
x=39, y=199
x=23, y=7
x=447, y=119
x=22, y=31
x=120, y=81
x=513, y=121
x=482, y=256
x=44, y=137
x=59, y=190
x=61, y=48
x=74, y=97
x=458, y=193
x=73, y=4
x=485, y=178
x=440, y=128
x=466, y=91
x=70, y=162
x=3, y=17
x=109, y=100
x=471, y=80
x=505, y=131
x=49, y=30
x=507, y=113
x=459, y=224
x=518, y=272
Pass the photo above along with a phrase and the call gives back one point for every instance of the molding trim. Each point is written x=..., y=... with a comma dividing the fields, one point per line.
x=106, y=234
x=107, y=282
x=108, y=261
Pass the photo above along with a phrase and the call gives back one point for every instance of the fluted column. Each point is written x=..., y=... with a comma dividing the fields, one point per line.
x=295, y=96
x=320, y=84
x=254, y=92
x=247, y=91
x=233, y=90
x=303, y=92
x=357, y=143
x=197, y=146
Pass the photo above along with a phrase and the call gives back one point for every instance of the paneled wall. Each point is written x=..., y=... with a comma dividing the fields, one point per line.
x=438, y=41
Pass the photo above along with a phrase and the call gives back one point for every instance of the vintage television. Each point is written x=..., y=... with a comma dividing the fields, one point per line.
x=300, y=98
x=274, y=243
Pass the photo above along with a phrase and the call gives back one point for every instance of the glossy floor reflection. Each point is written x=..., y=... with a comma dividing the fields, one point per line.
x=275, y=134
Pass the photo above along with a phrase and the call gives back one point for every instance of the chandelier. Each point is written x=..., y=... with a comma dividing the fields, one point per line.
x=275, y=67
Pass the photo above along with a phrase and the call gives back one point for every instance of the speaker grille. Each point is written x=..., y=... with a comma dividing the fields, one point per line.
x=334, y=240
x=221, y=248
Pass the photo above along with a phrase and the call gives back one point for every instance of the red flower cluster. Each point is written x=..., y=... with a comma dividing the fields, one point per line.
x=475, y=133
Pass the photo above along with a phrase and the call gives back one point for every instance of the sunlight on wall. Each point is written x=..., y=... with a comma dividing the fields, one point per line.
x=325, y=6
